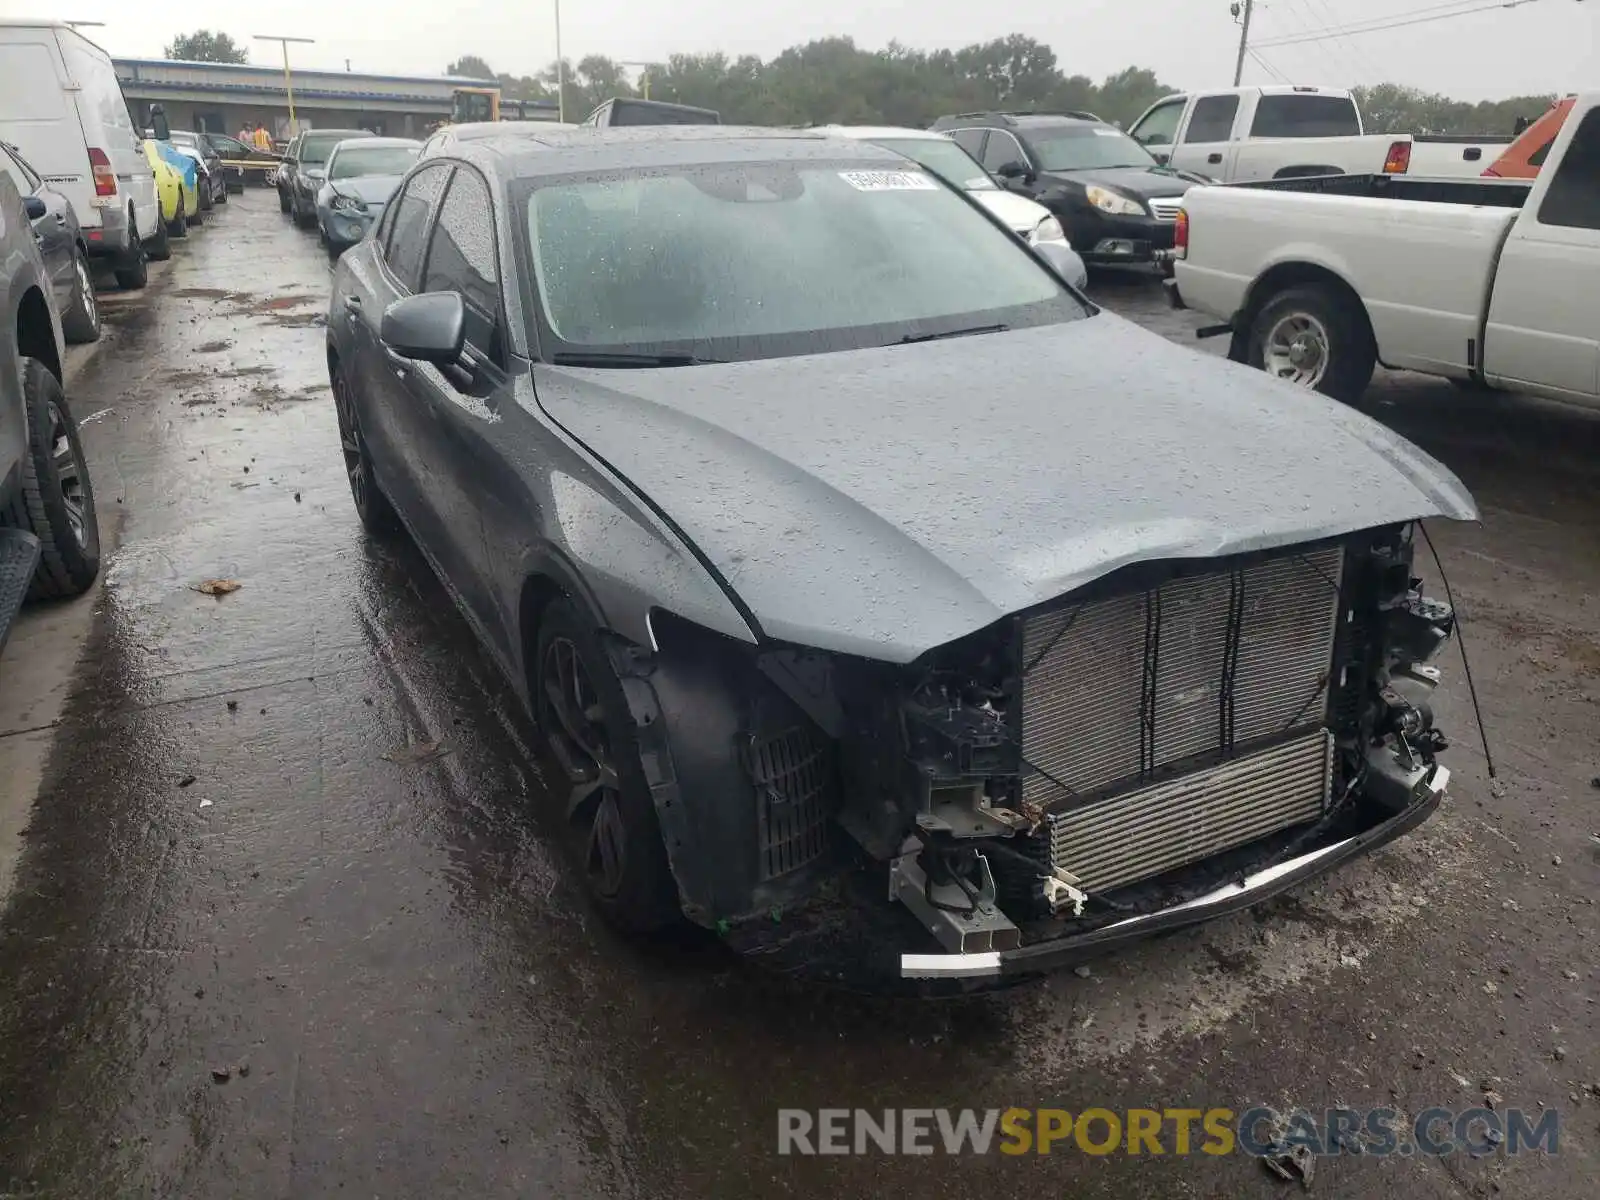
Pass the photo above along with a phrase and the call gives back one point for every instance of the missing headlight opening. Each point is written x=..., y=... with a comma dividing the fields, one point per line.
x=1175, y=740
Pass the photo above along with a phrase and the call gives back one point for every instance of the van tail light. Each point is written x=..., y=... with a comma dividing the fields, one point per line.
x=105, y=179
x=1180, y=235
x=1399, y=160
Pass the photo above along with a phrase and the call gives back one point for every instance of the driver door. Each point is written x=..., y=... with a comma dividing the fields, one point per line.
x=1157, y=130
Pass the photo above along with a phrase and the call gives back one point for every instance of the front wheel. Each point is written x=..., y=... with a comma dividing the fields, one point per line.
x=133, y=270
x=56, y=501
x=1316, y=336
x=81, y=320
x=179, y=226
x=610, y=815
x=283, y=201
x=372, y=506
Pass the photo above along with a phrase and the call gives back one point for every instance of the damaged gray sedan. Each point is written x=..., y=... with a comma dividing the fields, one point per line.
x=883, y=603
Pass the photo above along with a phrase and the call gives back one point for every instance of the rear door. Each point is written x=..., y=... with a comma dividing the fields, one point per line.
x=1207, y=141
x=1543, y=331
x=53, y=231
x=37, y=115
x=1157, y=130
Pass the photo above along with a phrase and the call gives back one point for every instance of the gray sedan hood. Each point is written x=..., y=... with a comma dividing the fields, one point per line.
x=884, y=502
x=374, y=189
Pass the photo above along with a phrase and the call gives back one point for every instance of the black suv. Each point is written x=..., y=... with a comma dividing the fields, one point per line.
x=1116, y=203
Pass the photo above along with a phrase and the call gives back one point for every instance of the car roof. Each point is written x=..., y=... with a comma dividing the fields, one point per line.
x=475, y=130
x=621, y=146
x=340, y=133
x=868, y=133
x=368, y=143
x=1015, y=120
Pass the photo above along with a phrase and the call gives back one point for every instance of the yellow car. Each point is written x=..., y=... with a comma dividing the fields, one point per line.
x=178, y=188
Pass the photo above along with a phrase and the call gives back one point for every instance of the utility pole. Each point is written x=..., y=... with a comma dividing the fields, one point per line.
x=1244, y=37
x=644, y=75
x=288, y=82
x=561, y=72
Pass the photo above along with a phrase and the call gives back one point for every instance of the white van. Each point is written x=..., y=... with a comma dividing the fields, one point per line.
x=61, y=105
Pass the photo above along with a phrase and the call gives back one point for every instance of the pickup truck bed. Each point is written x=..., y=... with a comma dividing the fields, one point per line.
x=1484, y=281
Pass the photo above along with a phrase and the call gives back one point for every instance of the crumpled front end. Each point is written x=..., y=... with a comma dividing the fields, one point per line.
x=1177, y=740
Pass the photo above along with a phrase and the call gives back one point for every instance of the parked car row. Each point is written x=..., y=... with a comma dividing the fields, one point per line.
x=79, y=185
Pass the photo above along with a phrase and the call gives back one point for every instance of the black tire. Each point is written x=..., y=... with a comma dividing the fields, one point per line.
x=56, y=500
x=614, y=828
x=195, y=218
x=1333, y=321
x=179, y=226
x=372, y=506
x=81, y=321
x=283, y=201
x=204, y=194
x=133, y=269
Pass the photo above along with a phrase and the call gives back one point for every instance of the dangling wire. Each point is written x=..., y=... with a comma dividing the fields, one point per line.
x=1461, y=643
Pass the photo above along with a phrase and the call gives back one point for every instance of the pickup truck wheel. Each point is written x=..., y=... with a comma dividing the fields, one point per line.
x=606, y=802
x=1314, y=336
x=56, y=500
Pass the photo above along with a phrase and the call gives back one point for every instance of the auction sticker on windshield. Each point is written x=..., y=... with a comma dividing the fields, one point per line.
x=889, y=181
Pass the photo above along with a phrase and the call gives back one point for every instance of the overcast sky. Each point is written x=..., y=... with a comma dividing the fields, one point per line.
x=1539, y=46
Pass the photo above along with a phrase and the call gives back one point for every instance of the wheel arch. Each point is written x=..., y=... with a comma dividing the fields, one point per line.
x=1307, y=171
x=1280, y=278
x=36, y=336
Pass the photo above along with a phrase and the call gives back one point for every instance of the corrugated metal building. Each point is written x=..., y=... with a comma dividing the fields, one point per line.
x=224, y=97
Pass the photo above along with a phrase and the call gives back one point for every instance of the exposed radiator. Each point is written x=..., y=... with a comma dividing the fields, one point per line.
x=1111, y=843
x=1118, y=688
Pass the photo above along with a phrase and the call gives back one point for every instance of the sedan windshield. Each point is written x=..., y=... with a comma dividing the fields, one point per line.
x=760, y=260
x=352, y=161
x=944, y=158
x=1086, y=147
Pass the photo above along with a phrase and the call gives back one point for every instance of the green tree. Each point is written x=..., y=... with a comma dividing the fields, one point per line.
x=204, y=46
x=470, y=66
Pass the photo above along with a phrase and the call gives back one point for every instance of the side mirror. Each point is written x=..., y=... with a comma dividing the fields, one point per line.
x=1063, y=262
x=160, y=127
x=431, y=327
x=34, y=207
x=1012, y=170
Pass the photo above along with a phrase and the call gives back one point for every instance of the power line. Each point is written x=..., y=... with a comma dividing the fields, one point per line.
x=1390, y=23
x=1334, y=54
x=1365, y=67
x=1266, y=66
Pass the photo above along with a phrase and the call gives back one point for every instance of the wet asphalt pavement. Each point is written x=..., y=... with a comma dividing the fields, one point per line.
x=409, y=996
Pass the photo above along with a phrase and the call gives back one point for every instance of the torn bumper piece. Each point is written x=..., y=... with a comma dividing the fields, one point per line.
x=1057, y=953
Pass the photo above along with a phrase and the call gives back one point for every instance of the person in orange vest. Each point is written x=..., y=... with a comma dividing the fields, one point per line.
x=261, y=138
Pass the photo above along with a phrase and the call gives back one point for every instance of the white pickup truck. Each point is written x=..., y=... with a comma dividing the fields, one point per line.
x=1242, y=134
x=1488, y=282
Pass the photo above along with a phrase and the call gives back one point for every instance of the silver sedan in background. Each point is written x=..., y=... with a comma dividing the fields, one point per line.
x=362, y=175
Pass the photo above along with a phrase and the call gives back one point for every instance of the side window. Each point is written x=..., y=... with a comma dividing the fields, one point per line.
x=1002, y=149
x=408, y=234
x=1573, y=198
x=1212, y=120
x=1160, y=125
x=462, y=259
x=970, y=140
x=1536, y=159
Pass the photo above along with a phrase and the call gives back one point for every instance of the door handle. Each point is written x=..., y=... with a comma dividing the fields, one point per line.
x=1213, y=158
x=352, y=303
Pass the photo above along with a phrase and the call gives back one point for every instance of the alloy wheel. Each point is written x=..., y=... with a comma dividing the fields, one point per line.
x=355, y=451
x=1297, y=349
x=91, y=307
x=69, y=472
x=571, y=714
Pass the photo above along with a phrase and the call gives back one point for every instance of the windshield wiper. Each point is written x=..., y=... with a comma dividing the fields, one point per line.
x=951, y=333
x=603, y=358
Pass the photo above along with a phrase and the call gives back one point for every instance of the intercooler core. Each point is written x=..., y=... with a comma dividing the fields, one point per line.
x=1163, y=726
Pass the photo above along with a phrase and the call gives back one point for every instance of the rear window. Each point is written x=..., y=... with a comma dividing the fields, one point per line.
x=1298, y=115
x=315, y=147
x=33, y=92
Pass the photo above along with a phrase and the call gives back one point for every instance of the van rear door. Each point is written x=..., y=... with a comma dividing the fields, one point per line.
x=37, y=115
x=108, y=125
